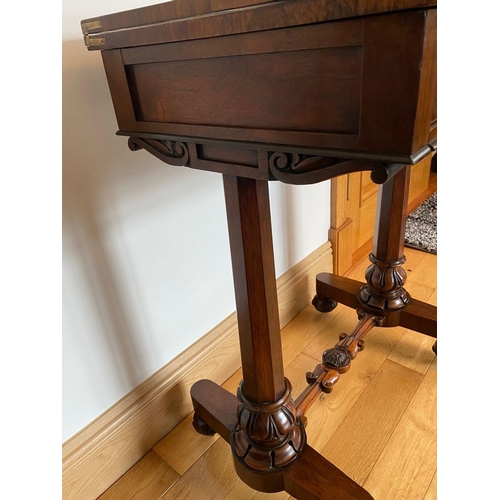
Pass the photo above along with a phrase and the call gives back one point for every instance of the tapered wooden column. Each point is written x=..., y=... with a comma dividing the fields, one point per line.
x=386, y=277
x=249, y=222
x=267, y=435
x=392, y=210
x=383, y=294
x=262, y=424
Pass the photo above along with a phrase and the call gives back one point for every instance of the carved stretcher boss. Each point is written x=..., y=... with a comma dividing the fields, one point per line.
x=297, y=91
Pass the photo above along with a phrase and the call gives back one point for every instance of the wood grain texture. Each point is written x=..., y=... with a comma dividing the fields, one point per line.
x=431, y=493
x=329, y=413
x=118, y=86
x=342, y=244
x=427, y=95
x=414, y=351
x=252, y=258
x=433, y=298
x=393, y=47
x=148, y=479
x=274, y=15
x=418, y=291
x=375, y=97
x=352, y=242
x=363, y=249
x=212, y=476
x=392, y=206
x=100, y=453
x=243, y=492
x=324, y=36
x=305, y=327
x=354, y=84
x=413, y=260
x=295, y=373
x=407, y=464
x=183, y=446
x=354, y=447
x=340, y=233
x=420, y=179
x=334, y=408
x=339, y=190
x=317, y=479
x=165, y=11
x=223, y=92
x=425, y=272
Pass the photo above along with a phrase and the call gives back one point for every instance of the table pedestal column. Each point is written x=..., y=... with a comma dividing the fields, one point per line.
x=267, y=436
x=383, y=294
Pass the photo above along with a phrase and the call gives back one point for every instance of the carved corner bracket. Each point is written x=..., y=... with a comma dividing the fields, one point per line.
x=287, y=167
x=171, y=152
x=295, y=168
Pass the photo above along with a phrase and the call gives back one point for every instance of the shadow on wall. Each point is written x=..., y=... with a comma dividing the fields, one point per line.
x=96, y=166
x=105, y=187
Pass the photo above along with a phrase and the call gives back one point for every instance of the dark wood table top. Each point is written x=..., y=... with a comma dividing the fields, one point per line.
x=194, y=19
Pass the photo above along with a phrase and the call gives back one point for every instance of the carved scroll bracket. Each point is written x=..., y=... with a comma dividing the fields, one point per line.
x=295, y=168
x=171, y=152
x=287, y=167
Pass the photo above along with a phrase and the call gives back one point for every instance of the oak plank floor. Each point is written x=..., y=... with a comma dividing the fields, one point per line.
x=150, y=477
x=378, y=425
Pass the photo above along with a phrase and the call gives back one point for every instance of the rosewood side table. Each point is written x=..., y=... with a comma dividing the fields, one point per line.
x=296, y=91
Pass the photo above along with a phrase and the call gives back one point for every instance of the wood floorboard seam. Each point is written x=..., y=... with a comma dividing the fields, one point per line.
x=334, y=313
x=398, y=420
x=430, y=485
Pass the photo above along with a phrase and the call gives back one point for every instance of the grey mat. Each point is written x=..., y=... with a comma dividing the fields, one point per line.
x=421, y=226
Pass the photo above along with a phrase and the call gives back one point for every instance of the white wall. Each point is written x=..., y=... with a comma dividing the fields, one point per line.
x=146, y=263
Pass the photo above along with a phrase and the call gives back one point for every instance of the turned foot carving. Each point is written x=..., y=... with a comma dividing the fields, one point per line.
x=324, y=305
x=268, y=435
x=384, y=289
x=201, y=426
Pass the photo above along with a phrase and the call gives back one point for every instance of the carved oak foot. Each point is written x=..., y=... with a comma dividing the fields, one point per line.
x=324, y=305
x=201, y=426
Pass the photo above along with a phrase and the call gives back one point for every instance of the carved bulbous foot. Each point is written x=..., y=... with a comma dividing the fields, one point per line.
x=324, y=305
x=384, y=289
x=201, y=426
x=268, y=435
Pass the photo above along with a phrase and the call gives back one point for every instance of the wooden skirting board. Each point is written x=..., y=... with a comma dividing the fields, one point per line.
x=95, y=457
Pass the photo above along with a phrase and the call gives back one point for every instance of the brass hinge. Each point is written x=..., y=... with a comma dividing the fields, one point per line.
x=94, y=42
x=91, y=25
